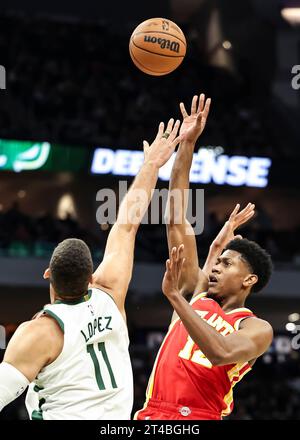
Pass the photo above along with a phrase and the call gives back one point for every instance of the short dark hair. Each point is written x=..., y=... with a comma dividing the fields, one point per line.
x=257, y=258
x=71, y=267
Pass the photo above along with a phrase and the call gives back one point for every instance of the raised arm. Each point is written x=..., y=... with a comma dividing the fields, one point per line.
x=179, y=229
x=246, y=344
x=114, y=272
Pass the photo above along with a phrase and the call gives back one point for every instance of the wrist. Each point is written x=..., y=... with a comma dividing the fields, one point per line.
x=151, y=163
x=188, y=142
x=173, y=295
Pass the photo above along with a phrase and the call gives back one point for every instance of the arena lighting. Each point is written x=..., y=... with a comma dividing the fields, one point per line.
x=21, y=194
x=207, y=167
x=292, y=15
x=66, y=207
x=291, y=11
x=293, y=317
x=290, y=326
x=227, y=45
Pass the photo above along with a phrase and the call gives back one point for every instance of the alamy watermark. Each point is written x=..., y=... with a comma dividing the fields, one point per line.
x=296, y=79
x=2, y=338
x=296, y=339
x=165, y=207
x=2, y=78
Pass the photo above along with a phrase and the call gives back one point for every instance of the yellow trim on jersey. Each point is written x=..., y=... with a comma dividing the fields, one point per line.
x=234, y=372
x=241, y=309
x=243, y=374
x=200, y=295
x=228, y=399
x=151, y=378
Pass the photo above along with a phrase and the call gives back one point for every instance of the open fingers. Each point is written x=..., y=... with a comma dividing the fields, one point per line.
x=194, y=105
x=176, y=260
x=170, y=126
x=245, y=215
x=180, y=252
x=247, y=210
x=145, y=145
x=235, y=211
x=181, y=263
x=183, y=110
x=174, y=131
x=201, y=103
x=179, y=257
x=206, y=108
x=160, y=130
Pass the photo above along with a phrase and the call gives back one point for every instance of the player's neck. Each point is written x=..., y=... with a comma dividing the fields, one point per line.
x=232, y=303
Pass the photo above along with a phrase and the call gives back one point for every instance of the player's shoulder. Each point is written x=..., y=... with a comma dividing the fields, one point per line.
x=37, y=335
x=256, y=323
x=43, y=326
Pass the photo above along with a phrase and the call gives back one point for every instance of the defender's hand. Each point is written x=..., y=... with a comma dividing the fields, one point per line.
x=194, y=124
x=163, y=146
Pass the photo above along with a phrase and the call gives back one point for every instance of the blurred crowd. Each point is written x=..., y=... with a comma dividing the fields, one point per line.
x=22, y=235
x=74, y=82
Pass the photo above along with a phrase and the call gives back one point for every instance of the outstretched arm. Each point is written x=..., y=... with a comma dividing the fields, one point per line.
x=114, y=272
x=179, y=229
x=251, y=341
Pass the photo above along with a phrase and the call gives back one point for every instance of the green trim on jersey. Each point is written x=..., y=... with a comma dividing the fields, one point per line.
x=37, y=415
x=57, y=319
x=36, y=388
x=71, y=302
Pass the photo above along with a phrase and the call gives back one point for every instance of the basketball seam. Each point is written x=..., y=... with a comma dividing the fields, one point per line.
x=147, y=68
x=155, y=53
x=160, y=32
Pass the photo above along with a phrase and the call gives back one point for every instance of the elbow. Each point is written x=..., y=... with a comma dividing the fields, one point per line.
x=218, y=359
x=217, y=362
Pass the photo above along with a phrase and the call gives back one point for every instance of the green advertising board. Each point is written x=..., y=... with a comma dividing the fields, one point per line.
x=20, y=156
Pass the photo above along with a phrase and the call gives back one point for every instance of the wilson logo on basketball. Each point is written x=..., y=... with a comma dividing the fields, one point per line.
x=164, y=44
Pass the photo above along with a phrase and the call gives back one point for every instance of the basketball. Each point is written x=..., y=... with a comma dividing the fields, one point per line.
x=157, y=46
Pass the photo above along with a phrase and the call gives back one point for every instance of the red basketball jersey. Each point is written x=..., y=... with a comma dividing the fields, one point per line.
x=184, y=378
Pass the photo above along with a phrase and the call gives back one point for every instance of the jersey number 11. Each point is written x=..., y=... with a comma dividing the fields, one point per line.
x=101, y=347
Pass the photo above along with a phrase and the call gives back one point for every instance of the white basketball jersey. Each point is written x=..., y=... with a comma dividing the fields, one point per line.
x=92, y=377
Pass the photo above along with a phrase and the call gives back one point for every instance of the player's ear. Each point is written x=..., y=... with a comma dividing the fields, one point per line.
x=250, y=280
x=46, y=275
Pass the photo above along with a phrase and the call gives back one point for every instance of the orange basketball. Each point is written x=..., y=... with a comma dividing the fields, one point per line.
x=157, y=46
